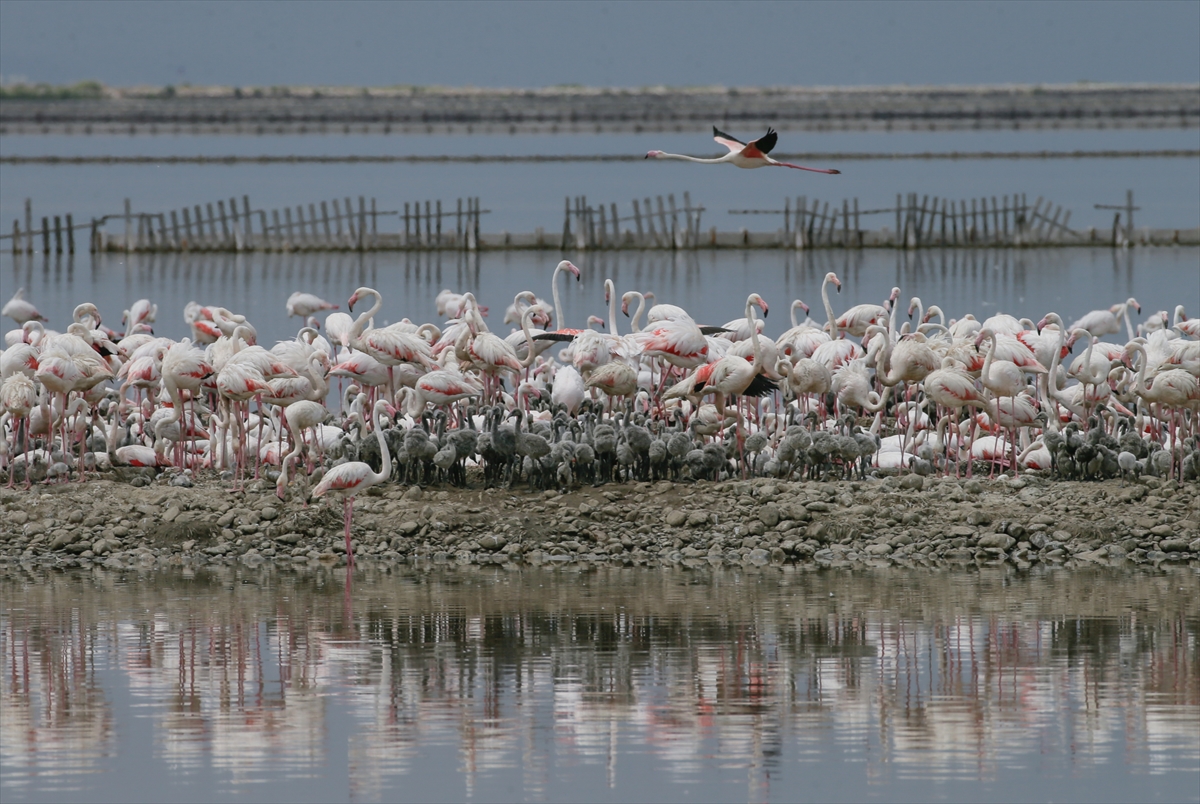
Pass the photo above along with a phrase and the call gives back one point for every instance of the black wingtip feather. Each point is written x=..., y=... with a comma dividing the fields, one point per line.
x=767, y=141
x=554, y=336
x=710, y=330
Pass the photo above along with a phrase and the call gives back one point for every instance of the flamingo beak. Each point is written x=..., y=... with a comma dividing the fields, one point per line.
x=804, y=307
x=350, y=304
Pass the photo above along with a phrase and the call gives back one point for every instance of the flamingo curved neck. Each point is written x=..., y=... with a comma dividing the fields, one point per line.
x=558, y=312
x=360, y=323
x=986, y=372
x=611, y=292
x=795, y=305
x=385, y=465
x=757, y=361
x=833, y=327
x=636, y=321
x=531, y=353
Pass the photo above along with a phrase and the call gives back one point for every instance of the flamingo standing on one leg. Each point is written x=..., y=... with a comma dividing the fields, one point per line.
x=741, y=154
x=348, y=479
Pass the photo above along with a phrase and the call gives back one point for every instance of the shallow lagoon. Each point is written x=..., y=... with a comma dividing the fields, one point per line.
x=606, y=684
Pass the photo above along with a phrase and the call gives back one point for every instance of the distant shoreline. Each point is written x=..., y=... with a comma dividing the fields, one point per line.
x=91, y=108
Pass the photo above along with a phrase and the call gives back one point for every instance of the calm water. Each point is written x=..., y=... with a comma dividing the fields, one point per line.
x=522, y=197
x=712, y=285
x=609, y=684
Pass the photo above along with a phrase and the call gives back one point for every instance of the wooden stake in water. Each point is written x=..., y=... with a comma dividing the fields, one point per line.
x=266, y=233
x=28, y=225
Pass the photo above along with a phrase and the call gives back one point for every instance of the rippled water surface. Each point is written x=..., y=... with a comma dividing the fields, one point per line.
x=712, y=285
x=609, y=684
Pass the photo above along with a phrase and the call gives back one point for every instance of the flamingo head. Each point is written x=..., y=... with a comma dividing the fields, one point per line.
x=570, y=266
x=832, y=277
x=595, y=319
x=895, y=295
x=802, y=306
x=757, y=300
x=358, y=294
x=653, y=154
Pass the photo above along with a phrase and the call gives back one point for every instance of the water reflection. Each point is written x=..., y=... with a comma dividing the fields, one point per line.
x=549, y=685
x=1025, y=283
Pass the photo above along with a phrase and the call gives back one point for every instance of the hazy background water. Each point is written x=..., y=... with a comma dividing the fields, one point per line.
x=522, y=197
x=609, y=684
x=712, y=285
x=526, y=44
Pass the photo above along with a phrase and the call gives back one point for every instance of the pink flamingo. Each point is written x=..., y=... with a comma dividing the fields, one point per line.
x=741, y=154
x=735, y=375
x=305, y=304
x=18, y=396
x=348, y=479
x=837, y=350
x=951, y=387
x=20, y=309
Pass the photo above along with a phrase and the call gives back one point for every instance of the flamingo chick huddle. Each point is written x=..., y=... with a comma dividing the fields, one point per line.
x=556, y=406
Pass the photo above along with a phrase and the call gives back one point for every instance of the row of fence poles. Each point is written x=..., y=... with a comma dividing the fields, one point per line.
x=22, y=240
x=922, y=221
x=599, y=227
x=466, y=225
x=330, y=226
x=334, y=225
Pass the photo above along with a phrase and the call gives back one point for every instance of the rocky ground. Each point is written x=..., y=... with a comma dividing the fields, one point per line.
x=126, y=519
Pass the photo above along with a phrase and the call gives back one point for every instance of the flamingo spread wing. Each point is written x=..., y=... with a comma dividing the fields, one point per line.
x=766, y=142
x=732, y=143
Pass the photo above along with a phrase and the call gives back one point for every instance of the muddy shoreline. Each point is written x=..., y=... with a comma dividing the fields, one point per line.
x=132, y=518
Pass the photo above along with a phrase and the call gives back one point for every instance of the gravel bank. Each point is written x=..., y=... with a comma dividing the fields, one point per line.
x=909, y=521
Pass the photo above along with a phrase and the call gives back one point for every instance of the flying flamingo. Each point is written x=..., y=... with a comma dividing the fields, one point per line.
x=742, y=154
x=348, y=479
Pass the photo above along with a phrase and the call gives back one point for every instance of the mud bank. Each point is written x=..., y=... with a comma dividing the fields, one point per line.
x=911, y=521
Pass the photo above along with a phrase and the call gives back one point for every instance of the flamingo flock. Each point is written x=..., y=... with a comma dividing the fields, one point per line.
x=864, y=391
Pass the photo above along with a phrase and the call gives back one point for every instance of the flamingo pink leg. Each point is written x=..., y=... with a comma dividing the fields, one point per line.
x=347, y=512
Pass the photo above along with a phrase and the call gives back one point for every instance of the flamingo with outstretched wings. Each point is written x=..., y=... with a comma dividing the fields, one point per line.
x=753, y=154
